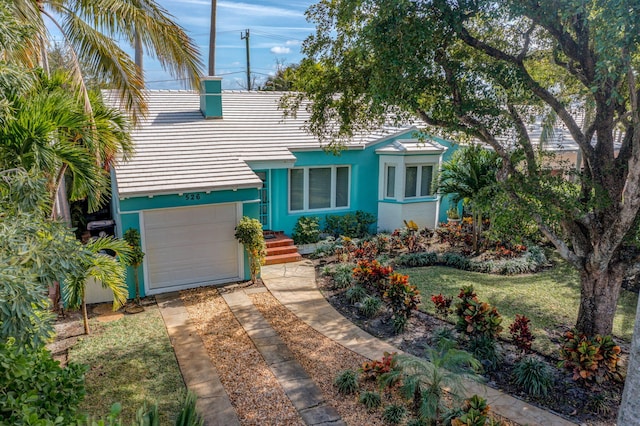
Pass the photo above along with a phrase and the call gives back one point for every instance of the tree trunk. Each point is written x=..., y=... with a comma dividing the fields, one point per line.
x=598, y=300
x=629, y=413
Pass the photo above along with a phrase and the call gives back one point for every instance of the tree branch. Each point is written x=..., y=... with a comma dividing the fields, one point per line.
x=538, y=90
x=525, y=140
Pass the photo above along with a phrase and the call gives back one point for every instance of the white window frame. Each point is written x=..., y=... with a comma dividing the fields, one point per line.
x=305, y=188
x=385, y=188
x=418, y=180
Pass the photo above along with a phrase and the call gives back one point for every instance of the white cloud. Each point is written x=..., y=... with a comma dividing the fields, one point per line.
x=280, y=50
x=254, y=9
x=292, y=42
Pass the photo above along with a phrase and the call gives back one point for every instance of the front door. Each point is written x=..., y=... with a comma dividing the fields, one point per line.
x=264, y=199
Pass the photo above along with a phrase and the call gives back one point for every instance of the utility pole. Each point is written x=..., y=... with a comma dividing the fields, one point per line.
x=245, y=37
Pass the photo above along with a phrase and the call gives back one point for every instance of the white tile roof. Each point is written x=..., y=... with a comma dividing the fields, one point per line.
x=177, y=150
x=412, y=146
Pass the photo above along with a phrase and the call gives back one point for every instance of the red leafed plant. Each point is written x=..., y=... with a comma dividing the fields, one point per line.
x=371, y=272
x=521, y=334
x=591, y=358
x=442, y=303
x=374, y=369
x=401, y=296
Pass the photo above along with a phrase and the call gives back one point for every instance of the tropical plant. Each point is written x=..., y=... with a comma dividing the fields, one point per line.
x=375, y=369
x=35, y=253
x=306, y=230
x=442, y=304
x=90, y=31
x=521, y=334
x=346, y=382
x=533, y=376
x=36, y=389
x=474, y=412
x=476, y=318
x=50, y=131
x=427, y=381
x=109, y=270
x=470, y=175
x=402, y=297
x=249, y=234
x=132, y=237
x=591, y=358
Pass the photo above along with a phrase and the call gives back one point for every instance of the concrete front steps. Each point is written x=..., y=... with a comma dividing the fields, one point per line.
x=280, y=248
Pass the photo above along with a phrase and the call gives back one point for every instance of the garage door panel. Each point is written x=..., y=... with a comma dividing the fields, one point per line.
x=190, y=245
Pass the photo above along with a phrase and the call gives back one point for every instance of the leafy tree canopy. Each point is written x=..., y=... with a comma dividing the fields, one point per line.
x=484, y=70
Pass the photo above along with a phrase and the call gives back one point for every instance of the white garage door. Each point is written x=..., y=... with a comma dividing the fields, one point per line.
x=186, y=247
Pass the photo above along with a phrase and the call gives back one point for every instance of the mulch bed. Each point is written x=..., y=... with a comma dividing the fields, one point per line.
x=568, y=399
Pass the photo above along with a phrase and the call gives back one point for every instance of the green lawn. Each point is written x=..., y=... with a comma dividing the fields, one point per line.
x=131, y=361
x=550, y=298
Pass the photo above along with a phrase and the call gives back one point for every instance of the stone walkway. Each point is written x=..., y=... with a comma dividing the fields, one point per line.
x=199, y=374
x=296, y=383
x=294, y=285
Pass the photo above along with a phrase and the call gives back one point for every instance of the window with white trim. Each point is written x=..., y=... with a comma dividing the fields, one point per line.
x=417, y=180
x=390, y=182
x=319, y=188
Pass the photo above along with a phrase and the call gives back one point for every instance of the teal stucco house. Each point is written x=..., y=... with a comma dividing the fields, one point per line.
x=204, y=160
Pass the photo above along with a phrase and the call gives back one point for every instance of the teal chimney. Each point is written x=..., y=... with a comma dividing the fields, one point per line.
x=211, y=97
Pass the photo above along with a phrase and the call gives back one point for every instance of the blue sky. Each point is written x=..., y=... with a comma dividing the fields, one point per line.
x=277, y=30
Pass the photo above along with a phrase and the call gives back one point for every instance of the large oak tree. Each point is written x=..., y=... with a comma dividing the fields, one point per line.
x=481, y=69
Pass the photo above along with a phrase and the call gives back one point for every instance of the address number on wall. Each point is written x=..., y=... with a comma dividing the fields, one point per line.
x=191, y=197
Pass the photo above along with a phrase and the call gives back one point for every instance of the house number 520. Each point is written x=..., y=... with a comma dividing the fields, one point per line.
x=191, y=197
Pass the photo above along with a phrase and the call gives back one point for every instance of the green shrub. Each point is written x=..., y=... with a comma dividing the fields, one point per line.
x=484, y=349
x=417, y=259
x=591, y=358
x=371, y=400
x=533, y=376
x=371, y=306
x=349, y=225
x=394, y=414
x=249, y=234
x=356, y=294
x=347, y=382
x=306, y=230
x=35, y=387
x=417, y=422
x=455, y=260
x=342, y=275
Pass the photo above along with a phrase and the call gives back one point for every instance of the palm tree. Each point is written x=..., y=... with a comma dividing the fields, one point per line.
x=109, y=270
x=49, y=131
x=91, y=28
x=427, y=381
x=469, y=176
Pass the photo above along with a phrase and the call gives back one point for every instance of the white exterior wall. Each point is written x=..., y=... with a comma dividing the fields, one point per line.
x=392, y=215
